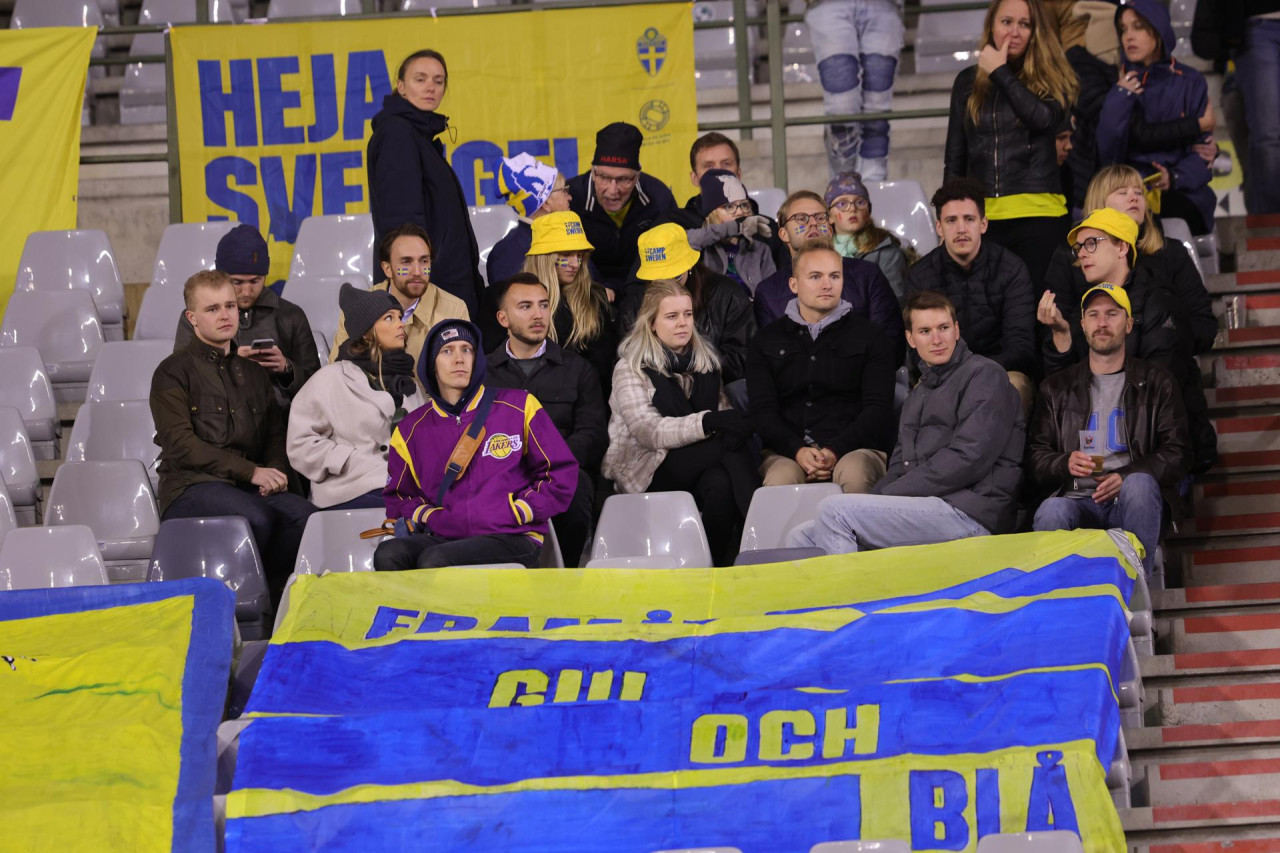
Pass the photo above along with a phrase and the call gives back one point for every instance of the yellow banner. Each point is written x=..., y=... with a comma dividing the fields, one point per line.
x=42, y=75
x=273, y=120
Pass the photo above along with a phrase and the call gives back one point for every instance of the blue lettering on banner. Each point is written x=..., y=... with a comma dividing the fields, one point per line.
x=287, y=218
x=223, y=171
x=9, y=80
x=366, y=75
x=276, y=99
x=215, y=103
x=326, y=97
x=938, y=799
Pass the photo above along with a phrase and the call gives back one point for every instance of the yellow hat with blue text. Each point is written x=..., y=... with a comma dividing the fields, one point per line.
x=665, y=253
x=1115, y=292
x=1112, y=222
x=559, y=232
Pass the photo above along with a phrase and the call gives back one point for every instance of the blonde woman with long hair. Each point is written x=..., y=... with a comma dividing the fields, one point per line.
x=1005, y=114
x=672, y=428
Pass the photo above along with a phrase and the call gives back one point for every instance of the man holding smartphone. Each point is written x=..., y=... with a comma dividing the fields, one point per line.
x=273, y=332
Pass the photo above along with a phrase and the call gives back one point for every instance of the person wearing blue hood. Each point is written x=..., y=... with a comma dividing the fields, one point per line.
x=410, y=181
x=475, y=474
x=1157, y=114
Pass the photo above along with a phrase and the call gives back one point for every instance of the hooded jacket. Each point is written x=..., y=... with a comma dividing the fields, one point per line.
x=521, y=475
x=1160, y=124
x=960, y=438
x=615, y=247
x=506, y=258
x=411, y=181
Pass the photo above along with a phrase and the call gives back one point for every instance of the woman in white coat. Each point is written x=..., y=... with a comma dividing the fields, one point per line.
x=341, y=420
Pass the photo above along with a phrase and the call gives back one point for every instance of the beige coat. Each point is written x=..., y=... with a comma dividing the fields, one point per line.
x=434, y=306
x=339, y=427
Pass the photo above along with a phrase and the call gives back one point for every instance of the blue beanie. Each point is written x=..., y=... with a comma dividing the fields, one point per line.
x=242, y=251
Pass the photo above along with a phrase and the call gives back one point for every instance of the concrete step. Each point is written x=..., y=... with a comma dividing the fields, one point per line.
x=1161, y=668
x=1257, y=629
x=1258, y=253
x=1208, y=814
x=1238, y=775
x=1228, y=595
x=1233, y=397
x=1249, y=336
x=1262, y=220
x=1243, y=282
x=1248, y=443
x=1215, y=571
x=1265, y=842
x=1239, y=733
x=1240, y=370
x=1245, y=504
x=1243, y=699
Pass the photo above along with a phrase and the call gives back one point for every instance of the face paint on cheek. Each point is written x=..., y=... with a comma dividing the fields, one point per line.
x=403, y=272
x=822, y=230
x=566, y=263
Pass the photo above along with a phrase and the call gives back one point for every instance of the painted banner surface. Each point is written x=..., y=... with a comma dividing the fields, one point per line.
x=934, y=694
x=273, y=120
x=110, y=699
x=42, y=76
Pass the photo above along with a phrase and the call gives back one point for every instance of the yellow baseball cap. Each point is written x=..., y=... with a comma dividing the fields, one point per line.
x=1112, y=222
x=558, y=232
x=665, y=253
x=1117, y=294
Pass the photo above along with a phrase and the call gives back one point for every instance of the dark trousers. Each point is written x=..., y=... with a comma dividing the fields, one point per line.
x=427, y=551
x=573, y=525
x=1176, y=205
x=1033, y=239
x=277, y=522
x=369, y=500
x=685, y=470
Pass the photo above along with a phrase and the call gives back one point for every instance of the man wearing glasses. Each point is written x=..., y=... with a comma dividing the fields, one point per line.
x=803, y=221
x=617, y=202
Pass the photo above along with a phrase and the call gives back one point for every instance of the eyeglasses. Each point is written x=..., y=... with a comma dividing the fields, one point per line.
x=559, y=190
x=735, y=207
x=622, y=183
x=803, y=219
x=1089, y=244
x=857, y=204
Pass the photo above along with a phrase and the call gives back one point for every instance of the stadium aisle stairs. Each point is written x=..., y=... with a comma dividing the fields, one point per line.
x=1206, y=768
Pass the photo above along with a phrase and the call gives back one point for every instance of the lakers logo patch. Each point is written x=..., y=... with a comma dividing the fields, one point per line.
x=500, y=445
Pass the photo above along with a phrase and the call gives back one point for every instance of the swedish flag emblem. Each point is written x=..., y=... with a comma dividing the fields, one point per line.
x=651, y=50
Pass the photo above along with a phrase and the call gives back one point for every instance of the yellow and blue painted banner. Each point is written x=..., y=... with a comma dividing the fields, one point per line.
x=110, y=699
x=934, y=694
x=273, y=120
x=42, y=76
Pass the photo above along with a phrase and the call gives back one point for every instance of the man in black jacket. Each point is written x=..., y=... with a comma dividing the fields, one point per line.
x=1110, y=434
x=988, y=285
x=820, y=385
x=566, y=386
x=291, y=358
x=617, y=202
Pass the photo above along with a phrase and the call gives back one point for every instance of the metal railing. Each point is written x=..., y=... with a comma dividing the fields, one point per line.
x=773, y=20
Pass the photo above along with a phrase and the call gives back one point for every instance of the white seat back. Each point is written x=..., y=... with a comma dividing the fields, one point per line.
x=655, y=524
x=186, y=248
x=777, y=510
x=50, y=557
x=64, y=260
x=123, y=370
x=902, y=209
x=338, y=246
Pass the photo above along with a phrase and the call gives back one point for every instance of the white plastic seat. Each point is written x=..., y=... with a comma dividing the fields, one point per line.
x=662, y=562
x=1178, y=229
x=186, y=248
x=64, y=327
x=159, y=314
x=114, y=500
x=123, y=370
x=303, y=8
x=799, y=65
x=1058, y=841
x=652, y=524
x=8, y=520
x=424, y=5
x=338, y=246
x=1207, y=249
x=331, y=541
x=777, y=510
x=24, y=385
x=551, y=558
x=769, y=200
x=110, y=432
x=947, y=41
x=18, y=465
x=66, y=260
x=318, y=299
x=888, y=846
x=50, y=557
x=490, y=225
x=902, y=209
x=184, y=12
x=143, y=90
x=322, y=346
x=716, y=49
x=221, y=547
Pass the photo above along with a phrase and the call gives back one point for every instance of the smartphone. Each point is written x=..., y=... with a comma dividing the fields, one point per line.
x=263, y=343
x=1152, y=179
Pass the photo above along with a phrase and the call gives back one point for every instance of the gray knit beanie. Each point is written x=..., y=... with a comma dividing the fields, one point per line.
x=362, y=308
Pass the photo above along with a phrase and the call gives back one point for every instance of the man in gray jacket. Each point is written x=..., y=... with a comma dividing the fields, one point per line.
x=956, y=468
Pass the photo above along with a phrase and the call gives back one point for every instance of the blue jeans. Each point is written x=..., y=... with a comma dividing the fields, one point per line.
x=1258, y=71
x=848, y=523
x=856, y=44
x=1139, y=509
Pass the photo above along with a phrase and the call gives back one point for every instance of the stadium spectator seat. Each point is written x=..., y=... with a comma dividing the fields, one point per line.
x=1203, y=249
x=662, y=562
x=50, y=557
x=491, y=224
x=25, y=386
x=184, y=11
x=67, y=260
x=701, y=850
x=337, y=246
x=303, y=8
x=159, y=313
x=714, y=50
x=123, y=370
x=764, y=556
x=777, y=510
x=18, y=465
x=322, y=346
x=143, y=92
x=947, y=41
x=902, y=208
x=331, y=542
x=186, y=248
x=891, y=846
x=222, y=548
x=1059, y=841
x=245, y=672
x=551, y=558
x=427, y=5
x=228, y=740
x=1182, y=15
x=8, y=521
x=114, y=500
x=799, y=65
x=64, y=327
x=652, y=524
x=109, y=432
x=769, y=199
x=318, y=299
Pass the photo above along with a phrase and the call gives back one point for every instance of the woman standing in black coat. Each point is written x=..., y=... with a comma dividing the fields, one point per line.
x=411, y=181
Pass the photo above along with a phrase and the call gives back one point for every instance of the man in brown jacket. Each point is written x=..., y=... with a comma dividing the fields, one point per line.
x=1110, y=434
x=221, y=432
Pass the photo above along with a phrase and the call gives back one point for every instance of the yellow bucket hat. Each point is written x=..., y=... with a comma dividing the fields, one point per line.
x=665, y=253
x=558, y=232
x=1113, y=222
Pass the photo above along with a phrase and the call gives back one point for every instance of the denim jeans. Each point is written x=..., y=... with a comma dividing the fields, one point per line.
x=848, y=523
x=1139, y=509
x=856, y=44
x=1258, y=71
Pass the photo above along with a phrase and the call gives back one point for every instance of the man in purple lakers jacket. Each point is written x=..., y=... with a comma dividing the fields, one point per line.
x=521, y=474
